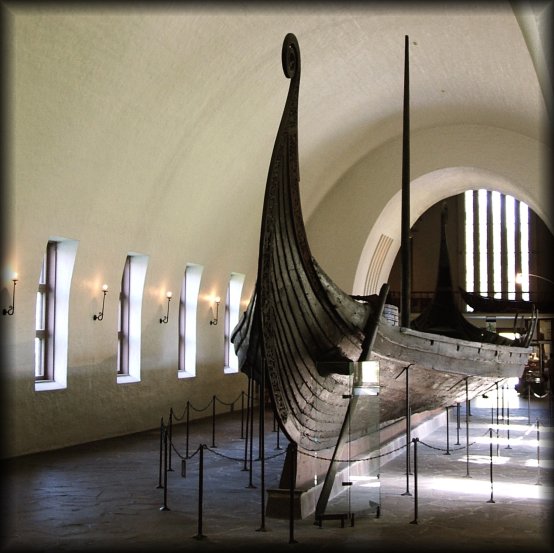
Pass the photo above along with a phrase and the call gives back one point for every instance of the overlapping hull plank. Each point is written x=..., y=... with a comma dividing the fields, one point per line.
x=297, y=317
x=298, y=321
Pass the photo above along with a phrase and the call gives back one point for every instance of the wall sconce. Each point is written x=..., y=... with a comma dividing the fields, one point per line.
x=11, y=308
x=217, y=299
x=100, y=315
x=166, y=317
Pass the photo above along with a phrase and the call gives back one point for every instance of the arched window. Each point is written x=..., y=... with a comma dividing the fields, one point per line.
x=232, y=315
x=130, y=309
x=52, y=314
x=188, y=309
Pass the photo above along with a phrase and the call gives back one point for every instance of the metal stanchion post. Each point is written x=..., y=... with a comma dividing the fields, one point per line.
x=508, y=426
x=292, y=480
x=242, y=415
x=187, y=438
x=164, y=507
x=538, y=456
x=160, y=485
x=170, y=468
x=408, y=430
x=491, y=500
x=200, y=535
x=457, y=423
x=250, y=464
x=529, y=404
x=213, y=422
x=245, y=467
x=415, y=440
x=278, y=445
x=467, y=429
x=497, y=421
x=262, y=527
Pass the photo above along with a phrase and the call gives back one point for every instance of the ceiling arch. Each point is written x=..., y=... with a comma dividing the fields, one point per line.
x=383, y=243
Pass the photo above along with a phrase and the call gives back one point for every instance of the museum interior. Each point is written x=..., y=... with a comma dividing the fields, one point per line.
x=277, y=275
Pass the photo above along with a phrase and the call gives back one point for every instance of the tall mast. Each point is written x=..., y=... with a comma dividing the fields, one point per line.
x=406, y=290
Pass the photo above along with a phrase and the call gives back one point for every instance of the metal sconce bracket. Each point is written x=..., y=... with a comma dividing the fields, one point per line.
x=11, y=309
x=100, y=315
x=165, y=318
x=216, y=318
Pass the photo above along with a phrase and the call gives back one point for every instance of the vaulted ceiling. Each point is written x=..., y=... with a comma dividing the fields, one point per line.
x=150, y=128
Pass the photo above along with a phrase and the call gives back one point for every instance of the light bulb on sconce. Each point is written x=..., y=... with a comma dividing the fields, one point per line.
x=217, y=299
x=11, y=309
x=100, y=315
x=165, y=319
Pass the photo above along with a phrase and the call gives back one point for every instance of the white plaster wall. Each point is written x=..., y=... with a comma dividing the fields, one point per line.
x=445, y=161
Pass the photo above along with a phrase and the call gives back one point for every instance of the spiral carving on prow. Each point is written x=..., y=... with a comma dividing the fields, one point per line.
x=290, y=56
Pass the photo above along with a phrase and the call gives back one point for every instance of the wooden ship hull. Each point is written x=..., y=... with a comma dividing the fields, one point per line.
x=301, y=334
x=298, y=319
x=440, y=367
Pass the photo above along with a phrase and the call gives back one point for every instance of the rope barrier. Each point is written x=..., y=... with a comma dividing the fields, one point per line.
x=166, y=446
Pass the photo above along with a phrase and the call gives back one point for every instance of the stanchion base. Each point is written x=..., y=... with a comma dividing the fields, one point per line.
x=413, y=522
x=508, y=447
x=199, y=537
x=293, y=541
x=165, y=508
x=491, y=501
x=250, y=486
x=447, y=453
x=159, y=487
x=261, y=529
x=406, y=493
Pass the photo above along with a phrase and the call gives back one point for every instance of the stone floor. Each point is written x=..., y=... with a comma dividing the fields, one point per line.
x=106, y=495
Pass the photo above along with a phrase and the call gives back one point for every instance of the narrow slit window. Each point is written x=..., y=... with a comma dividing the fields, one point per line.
x=52, y=314
x=232, y=315
x=188, y=310
x=130, y=320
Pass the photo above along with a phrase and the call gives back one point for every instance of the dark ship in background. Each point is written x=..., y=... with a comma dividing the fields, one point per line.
x=302, y=337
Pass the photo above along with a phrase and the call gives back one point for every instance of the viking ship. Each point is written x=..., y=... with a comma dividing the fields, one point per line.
x=304, y=334
x=298, y=320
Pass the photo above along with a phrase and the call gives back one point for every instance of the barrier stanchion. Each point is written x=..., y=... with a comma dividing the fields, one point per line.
x=447, y=434
x=170, y=468
x=188, y=432
x=538, y=456
x=262, y=527
x=200, y=535
x=213, y=422
x=278, y=446
x=467, y=429
x=415, y=440
x=529, y=404
x=160, y=485
x=508, y=426
x=245, y=467
x=491, y=500
x=497, y=422
x=457, y=423
x=250, y=466
x=242, y=415
x=292, y=479
x=164, y=507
